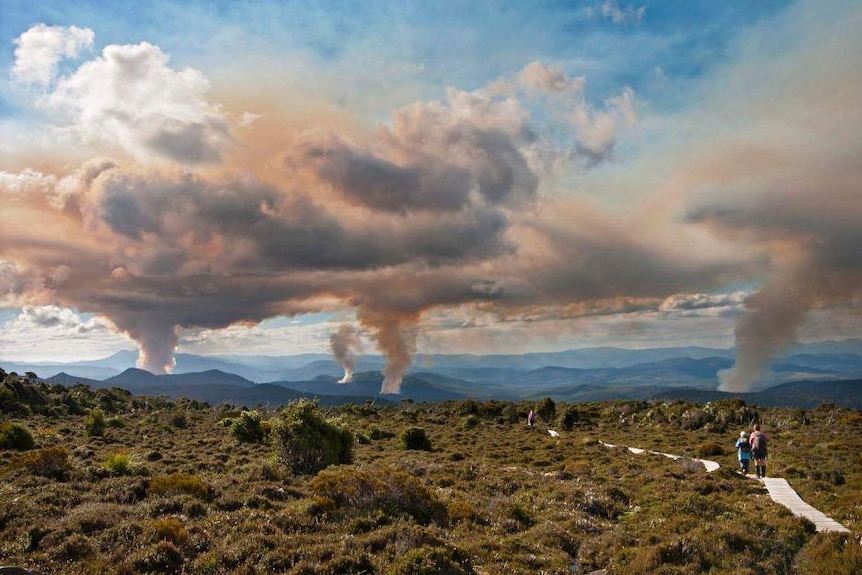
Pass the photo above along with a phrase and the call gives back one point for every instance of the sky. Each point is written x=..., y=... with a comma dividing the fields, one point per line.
x=271, y=178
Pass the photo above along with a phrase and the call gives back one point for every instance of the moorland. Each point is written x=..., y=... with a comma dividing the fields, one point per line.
x=103, y=481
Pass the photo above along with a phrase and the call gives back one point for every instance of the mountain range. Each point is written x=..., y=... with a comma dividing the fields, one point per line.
x=807, y=375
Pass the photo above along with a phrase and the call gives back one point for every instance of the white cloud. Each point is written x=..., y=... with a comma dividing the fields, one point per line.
x=26, y=182
x=52, y=333
x=131, y=97
x=617, y=14
x=128, y=97
x=704, y=304
x=41, y=48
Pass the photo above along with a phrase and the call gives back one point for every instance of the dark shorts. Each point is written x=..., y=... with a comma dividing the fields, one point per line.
x=758, y=453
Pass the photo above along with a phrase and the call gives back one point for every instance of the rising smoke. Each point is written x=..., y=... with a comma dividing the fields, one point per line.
x=344, y=344
x=480, y=199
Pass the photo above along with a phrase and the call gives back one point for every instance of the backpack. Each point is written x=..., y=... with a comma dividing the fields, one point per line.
x=744, y=445
x=758, y=441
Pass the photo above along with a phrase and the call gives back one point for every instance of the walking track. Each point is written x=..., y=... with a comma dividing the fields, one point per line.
x=779, y=490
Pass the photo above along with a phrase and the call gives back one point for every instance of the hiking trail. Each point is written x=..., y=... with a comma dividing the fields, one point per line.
x=778, y=488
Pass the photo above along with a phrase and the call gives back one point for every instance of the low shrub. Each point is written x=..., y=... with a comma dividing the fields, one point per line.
x=180, y=483
x=374, y=433
x=836, y=554
x=568, y=418
x=307, y=443
x=415, y=438
x=431, y=561
x=51, y=462
x=163, y=557
x=170, y=529
x=15, y=436
x=180, y=419
x=248, y=427
x=355, y=491
x=709, y=449
x=95, y=424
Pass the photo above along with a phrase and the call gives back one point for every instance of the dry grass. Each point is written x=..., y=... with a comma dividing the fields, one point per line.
x=490, y=495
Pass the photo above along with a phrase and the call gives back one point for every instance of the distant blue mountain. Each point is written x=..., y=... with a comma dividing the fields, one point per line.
x=577, y=375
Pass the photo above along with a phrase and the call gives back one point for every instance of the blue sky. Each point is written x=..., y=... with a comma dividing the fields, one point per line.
x=223, y=177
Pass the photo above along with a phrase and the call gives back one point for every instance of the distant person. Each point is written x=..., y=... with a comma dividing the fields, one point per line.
x=531, y=418
x=758, y=442
x=743, y=451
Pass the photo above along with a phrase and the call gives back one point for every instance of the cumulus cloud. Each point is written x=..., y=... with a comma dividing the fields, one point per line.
x=51, y=316
x=131, y=97
x=41, y=48
x=128, y=96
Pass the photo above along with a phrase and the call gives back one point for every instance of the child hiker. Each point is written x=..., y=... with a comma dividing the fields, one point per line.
x=743, y=451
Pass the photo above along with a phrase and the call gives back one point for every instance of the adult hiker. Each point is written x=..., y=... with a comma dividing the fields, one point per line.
x=758, y=442
x=743, y=451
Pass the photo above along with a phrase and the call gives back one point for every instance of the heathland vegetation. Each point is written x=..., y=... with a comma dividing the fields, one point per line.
x=106, y=482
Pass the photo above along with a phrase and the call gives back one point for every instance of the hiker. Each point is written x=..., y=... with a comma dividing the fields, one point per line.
x=531, y=418
x=758, y=450
x=743, y=451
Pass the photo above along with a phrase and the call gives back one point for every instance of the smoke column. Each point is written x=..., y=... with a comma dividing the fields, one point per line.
x=342, y=343
x=157, y=341
x=769, y=327
x=396, y=334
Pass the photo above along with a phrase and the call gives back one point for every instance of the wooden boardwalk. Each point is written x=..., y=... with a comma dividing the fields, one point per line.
x=779, y=490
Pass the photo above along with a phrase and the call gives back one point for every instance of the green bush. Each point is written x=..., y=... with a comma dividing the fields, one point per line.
x=248, y=428
x=95, y=424
x=415, y=438
x=568, y=418
x=373, y=432
x=306, y=442
x=15, y=436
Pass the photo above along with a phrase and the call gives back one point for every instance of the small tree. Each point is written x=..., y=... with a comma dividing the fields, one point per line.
x=568, y=418
x=306, y=442
x=546, y=409
x=94, y=423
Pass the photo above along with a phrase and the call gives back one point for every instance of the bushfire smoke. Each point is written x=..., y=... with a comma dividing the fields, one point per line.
x=344, y=343
x=522, y=200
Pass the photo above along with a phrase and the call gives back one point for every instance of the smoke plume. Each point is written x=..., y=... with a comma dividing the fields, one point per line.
x=172, y=212
x=344, y=343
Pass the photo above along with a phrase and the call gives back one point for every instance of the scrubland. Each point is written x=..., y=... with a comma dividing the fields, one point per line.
x=105, y=482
